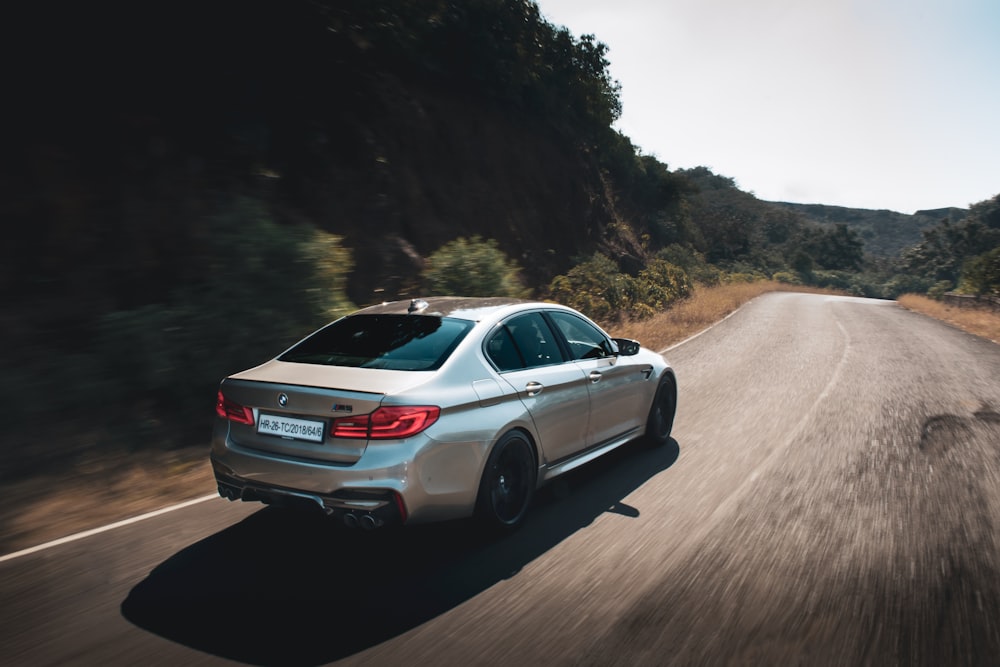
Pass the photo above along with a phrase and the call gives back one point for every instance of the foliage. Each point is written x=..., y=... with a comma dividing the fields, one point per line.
x=944, y=249
x=833, y=279
x=981, y=274
x=472, y=267
x=503, y=48
x=884, y=233
x=663, y=283
x=939, y=289
x=652, y=197
x=902, y=283
x=268, y=286
x=597, y=287
x=594, y=287
x=265, y=285
x=692, y=262
x=787, y=277
x=836, y=248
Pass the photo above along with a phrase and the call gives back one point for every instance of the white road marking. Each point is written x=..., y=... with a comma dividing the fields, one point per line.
x=104, y=529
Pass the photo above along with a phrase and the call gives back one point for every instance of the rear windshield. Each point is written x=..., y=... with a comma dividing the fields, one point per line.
x=393, y=342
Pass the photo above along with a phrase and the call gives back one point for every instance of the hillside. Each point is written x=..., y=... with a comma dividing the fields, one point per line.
x=130, y=139
x=884, y=233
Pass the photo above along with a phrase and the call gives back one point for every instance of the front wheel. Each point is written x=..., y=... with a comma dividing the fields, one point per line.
x=508, y=483
x=661, y=414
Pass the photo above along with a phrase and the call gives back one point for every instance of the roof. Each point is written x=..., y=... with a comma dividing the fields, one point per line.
x=463, y=307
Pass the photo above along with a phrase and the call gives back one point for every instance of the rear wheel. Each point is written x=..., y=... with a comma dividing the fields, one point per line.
x=508, y=483
x=661, y=414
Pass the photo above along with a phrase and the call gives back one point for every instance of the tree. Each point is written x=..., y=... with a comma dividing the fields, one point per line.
x=945, y=247
x=981, y=274
x=837, y=249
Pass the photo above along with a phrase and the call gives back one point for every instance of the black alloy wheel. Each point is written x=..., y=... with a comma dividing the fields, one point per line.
x=661, y=413
x=508, y=482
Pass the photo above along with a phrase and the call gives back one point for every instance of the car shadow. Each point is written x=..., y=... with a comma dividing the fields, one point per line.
x=290, y=588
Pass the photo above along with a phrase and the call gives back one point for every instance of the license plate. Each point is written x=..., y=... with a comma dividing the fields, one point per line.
x=290, y=427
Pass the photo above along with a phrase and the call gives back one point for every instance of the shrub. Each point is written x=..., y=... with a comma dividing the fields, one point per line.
x=692, y=262
x=472, y=267
x=787, y=277
x=834, y=279
x=981, y=274
x=939, y=289
x=596, y=287
x=267, y=286
x=663, y=283
x=905, y=284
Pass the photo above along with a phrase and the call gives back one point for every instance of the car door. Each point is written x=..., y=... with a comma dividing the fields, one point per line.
x=614, y=382
x=527, y=355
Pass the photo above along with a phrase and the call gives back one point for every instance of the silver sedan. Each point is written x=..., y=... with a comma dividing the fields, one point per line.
x=435, y=409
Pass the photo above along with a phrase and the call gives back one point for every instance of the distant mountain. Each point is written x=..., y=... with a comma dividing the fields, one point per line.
x=885, y=233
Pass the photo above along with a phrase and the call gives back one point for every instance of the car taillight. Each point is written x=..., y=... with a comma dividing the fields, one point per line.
x=386, y=423
x=233, y=411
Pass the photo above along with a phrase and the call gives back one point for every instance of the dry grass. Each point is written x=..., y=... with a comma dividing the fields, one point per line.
x=978, y=321
x=707, y=306
x=41, y=508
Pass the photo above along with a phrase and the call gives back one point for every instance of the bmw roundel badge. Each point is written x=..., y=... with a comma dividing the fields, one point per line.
x=282, y=400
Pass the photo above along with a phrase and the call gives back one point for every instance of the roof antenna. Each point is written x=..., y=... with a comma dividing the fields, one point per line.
x=417, y=306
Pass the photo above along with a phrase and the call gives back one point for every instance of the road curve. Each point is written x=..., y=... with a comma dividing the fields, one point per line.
x=831, y=496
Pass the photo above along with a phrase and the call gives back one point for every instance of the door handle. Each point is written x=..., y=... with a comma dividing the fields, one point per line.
x=595, y=376
x=533, y=388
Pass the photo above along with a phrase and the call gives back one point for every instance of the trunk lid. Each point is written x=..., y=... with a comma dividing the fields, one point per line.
x=294, y=404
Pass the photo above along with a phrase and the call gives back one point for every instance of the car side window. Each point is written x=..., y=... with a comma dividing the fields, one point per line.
x=524, y=341
x=584, y=339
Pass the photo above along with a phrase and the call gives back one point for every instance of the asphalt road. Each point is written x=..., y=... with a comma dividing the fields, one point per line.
x=832, y=496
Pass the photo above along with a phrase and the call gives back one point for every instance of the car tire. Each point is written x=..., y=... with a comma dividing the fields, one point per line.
x=661, y=414
x=508, y=483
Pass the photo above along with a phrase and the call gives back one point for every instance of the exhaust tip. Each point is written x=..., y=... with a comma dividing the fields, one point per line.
x=368, y=522
x=351, y=520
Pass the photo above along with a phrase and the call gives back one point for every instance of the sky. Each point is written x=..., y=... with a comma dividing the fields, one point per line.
x=880, y=104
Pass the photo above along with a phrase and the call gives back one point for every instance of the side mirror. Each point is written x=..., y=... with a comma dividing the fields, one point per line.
x=626, y=347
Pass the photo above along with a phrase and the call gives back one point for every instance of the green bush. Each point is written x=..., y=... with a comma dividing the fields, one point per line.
x=787, y=277
x=262, y=286
x=597, y=287
x=832, y=279
x=663, y=283
x=939, y=289
x=905, y=284
x=472, y=267
x=692, y=262
x=981, y=274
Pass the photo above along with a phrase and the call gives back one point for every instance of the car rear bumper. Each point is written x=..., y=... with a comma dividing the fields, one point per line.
x=409, y=481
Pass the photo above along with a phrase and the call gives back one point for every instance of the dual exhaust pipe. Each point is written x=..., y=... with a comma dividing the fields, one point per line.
x=363, y=521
